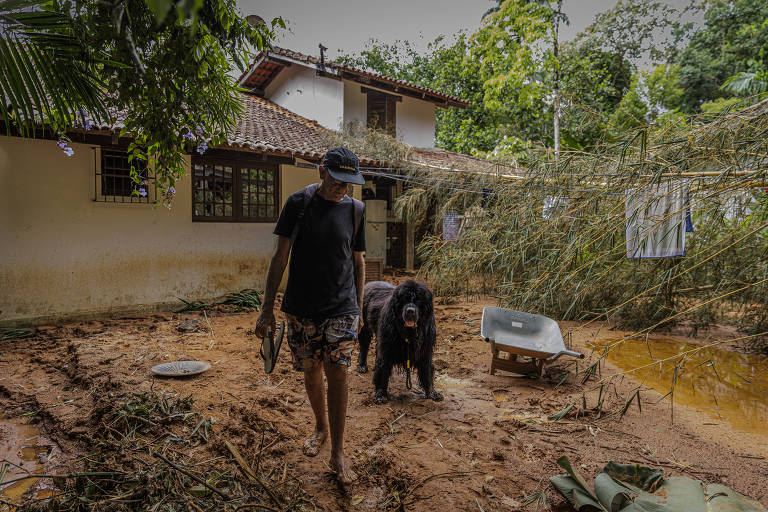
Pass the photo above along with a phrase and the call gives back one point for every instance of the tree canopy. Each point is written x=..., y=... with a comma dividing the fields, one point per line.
x=734, y=39
x=159, y=69
x=509, y=73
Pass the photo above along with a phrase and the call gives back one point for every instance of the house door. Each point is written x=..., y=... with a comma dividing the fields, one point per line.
x=396, y=244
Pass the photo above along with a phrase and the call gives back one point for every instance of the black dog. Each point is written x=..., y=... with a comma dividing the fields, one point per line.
x=403, y=321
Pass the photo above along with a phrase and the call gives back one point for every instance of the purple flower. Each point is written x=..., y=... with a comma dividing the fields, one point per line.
x=202, y=147
x=142, y=192
x=64, y=146
x=188, y=135
x=88, y=124
x=171, y=190
x=199, y=130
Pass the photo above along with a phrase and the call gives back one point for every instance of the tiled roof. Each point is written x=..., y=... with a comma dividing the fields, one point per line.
x=268, y=127
x=453, y=100
x=266, y=75
x=448, y=160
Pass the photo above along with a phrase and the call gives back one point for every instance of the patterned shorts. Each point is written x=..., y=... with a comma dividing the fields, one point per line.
x=314, y=341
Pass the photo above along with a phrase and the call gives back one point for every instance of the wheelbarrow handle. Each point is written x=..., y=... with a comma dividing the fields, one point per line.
x=566, y=353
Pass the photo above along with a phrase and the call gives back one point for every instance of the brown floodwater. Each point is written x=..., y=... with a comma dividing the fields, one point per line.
x=26, y=452
x=729, y=386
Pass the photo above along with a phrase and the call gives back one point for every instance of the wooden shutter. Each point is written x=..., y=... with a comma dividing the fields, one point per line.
x=377, y=110
x=381, y=111
x=390, y=127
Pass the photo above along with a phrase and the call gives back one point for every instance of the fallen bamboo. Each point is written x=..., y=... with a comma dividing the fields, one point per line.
x=67, y=475
x=250, y=474
x=191, y=475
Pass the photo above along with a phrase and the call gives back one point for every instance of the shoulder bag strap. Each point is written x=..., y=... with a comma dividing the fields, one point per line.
x=309, y=193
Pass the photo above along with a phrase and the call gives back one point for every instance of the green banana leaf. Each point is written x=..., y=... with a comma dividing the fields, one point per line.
x=634, y=488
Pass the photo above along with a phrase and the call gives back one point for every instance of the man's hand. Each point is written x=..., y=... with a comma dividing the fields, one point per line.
x=274, y=274
x=360, y=323
x=265, y=322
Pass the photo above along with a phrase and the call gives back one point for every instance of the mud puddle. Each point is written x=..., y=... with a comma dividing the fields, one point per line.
x=23, y=451
x=729, y=386
x=446, y=383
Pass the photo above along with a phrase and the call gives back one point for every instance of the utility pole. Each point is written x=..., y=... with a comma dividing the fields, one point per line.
x=556, y=88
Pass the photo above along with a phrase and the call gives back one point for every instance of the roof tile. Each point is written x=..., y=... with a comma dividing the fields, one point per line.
x=268, y=127
x=308, y=59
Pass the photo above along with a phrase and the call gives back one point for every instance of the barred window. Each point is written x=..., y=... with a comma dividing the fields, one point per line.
x=114, y=180
x=231, y=191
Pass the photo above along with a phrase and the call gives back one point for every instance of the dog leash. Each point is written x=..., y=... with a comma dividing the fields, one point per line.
x=407, y=365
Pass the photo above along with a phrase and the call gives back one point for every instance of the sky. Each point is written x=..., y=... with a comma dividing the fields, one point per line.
x=347, y=25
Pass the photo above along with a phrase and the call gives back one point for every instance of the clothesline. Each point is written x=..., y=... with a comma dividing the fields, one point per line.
x=482, y=187
x=760, y=172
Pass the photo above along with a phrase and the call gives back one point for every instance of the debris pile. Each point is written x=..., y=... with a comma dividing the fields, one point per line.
x=152, y=451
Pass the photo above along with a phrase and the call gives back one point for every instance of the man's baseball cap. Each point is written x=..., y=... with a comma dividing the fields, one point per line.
x=343, y=165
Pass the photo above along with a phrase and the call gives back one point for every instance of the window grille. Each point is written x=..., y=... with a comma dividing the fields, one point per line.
x=113, y=181
x=258, y=193
x=230, y=191
x=213, y=191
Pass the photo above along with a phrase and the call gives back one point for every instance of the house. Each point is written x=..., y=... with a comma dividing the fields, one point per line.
x=336, y=96
x=75, y=242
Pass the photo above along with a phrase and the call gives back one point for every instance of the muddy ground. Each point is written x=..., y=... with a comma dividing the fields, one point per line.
x=488, y=446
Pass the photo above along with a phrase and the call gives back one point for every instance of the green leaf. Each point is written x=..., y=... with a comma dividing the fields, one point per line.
x=561, y=414
x=575, y=489
x=160, y=9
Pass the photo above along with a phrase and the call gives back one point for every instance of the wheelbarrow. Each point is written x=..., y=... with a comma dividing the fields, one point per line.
x=528, y=340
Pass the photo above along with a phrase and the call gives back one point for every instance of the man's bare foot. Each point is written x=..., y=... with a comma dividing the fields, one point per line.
x=313, y=444
x=344, y=473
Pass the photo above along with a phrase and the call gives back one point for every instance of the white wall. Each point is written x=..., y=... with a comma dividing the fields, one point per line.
x=416, y=122
x=298, y=89
x=355, y=104
x=62, y=254
x=415, y=118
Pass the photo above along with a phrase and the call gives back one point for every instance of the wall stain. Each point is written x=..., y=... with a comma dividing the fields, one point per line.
x=33, y=292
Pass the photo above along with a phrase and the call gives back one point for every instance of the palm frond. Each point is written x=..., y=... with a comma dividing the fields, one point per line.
x=745, y=83
x=47, y=75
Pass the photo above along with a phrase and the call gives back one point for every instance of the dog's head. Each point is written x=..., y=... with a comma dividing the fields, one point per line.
x=413, y=303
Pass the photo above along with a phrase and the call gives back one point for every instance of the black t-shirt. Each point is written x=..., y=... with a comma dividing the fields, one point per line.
x=321, y=276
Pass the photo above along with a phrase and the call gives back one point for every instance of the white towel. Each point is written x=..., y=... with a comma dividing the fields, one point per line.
x=655, y=220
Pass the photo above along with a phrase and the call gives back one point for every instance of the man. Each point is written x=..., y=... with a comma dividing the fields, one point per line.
x=324, y=295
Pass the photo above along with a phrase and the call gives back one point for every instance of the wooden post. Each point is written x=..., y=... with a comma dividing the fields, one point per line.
x=410, y=246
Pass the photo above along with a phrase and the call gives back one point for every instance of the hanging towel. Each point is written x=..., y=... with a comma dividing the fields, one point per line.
x=688, y=216
x=451, y=225
x=688, y=221
x=655, y=220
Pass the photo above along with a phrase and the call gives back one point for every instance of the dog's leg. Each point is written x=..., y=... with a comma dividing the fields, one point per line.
x=364, y=340
x=381, y=373
x=427, y=380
